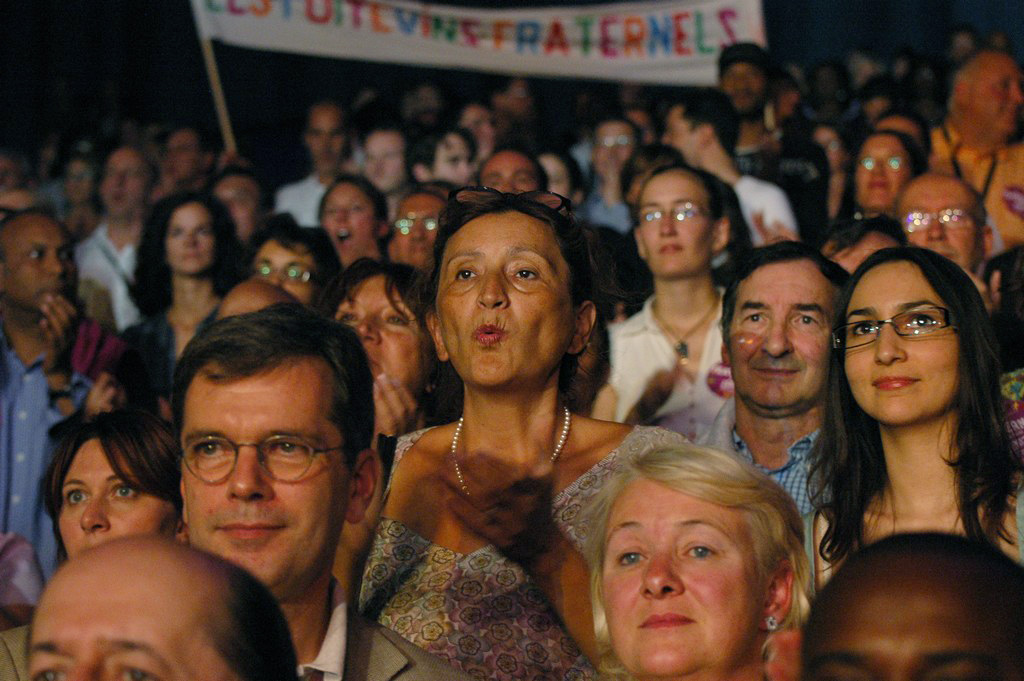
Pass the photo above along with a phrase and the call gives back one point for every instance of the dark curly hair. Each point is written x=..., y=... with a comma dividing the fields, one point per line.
x=152, y=288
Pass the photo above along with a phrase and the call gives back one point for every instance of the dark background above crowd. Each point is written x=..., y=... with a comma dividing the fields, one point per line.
x=87, y=65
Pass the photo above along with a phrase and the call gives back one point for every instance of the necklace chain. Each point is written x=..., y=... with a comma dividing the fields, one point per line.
x=680, y=345
x=554, y=455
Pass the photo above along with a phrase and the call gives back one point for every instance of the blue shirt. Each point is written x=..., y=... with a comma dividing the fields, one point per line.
x=26, y=416
x=792, y=475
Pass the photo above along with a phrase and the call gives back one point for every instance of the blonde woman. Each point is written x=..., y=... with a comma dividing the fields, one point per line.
x=695, y=559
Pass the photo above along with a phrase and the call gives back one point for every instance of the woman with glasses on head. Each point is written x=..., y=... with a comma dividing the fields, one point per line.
x=886, y=161
x=666, y=359
x=476, y=556
x=913, y=437
x=300, y=261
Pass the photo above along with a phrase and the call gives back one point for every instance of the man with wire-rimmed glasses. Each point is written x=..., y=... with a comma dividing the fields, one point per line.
x=274, y=412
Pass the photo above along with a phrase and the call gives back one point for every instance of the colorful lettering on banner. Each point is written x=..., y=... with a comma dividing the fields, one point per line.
x=674, y=41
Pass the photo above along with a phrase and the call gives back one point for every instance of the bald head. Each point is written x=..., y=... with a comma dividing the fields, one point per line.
x=149, y=604
x=987, y=98
x=252, y=295
x=918, y=606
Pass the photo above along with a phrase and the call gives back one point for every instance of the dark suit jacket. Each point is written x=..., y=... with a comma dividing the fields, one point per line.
x=372, y=653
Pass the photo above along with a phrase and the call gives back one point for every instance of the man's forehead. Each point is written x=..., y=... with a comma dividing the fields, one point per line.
x=937, y=193
x=33, y=230
x=793, y=281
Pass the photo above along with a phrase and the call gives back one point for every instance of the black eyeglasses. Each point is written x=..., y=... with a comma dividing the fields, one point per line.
x=549, y=200
x=912, y=323
x=284, y=457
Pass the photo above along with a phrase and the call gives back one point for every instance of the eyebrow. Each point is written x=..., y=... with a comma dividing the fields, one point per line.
x=76, y=481
x=632, y=524
x=931, y=660
x=903, y=307
x=802, y=307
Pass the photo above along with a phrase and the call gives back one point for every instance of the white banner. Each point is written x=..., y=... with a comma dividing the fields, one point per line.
x=666, y=42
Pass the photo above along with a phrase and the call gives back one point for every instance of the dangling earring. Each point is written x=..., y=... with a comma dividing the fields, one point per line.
x=771, y=623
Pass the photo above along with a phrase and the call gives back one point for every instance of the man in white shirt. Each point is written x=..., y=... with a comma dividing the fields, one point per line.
x=275, y=414
x=106, y=260
x=702, y=124
x=325, y=140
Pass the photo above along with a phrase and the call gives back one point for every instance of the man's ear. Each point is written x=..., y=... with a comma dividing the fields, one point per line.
x=434, y=327
x=987, y=239
x=184, y=505
x=586, y=318
x=725, y=353
x=364, y=477
x=382, y=229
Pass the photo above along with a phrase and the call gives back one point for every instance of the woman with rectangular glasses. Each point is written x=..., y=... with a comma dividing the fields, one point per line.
x=914, y=437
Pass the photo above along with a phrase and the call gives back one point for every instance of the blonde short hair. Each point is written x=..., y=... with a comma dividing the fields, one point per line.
x=719, y=478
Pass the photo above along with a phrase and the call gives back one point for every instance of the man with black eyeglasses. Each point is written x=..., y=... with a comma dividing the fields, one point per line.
x=274, y=412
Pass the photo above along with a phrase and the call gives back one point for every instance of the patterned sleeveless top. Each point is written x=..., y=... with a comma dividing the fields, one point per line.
x=480, y=611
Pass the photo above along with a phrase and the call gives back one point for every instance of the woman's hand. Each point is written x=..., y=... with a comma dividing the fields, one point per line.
x=506, y=503
x=657, y=392
x=395, y=409
x=106, y=394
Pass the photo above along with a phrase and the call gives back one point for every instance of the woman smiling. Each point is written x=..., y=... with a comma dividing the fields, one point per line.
x=914, y=437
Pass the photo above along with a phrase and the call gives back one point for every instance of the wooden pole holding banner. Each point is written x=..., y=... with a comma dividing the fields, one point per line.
x=219, y=103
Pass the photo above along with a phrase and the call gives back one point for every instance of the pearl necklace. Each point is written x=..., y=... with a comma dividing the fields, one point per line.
x=554, y=455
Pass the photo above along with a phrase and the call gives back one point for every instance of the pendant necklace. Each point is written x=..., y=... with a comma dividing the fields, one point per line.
x=680, y=345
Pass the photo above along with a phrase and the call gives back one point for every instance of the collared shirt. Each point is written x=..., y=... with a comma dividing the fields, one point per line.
x=791, y=476
x=638, y=349
x=329, y=664
x=302, y=200
x=25, y=447
x=103, y=266
x=1004, y=198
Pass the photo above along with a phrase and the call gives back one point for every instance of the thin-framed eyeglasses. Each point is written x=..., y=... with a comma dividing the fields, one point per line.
x=920, y=321
x=950, y=218
x=405, y=224
x=286, y=458
x=869, y=162
x=679, y=214
x=609, y=141
x=550, y=200
x=291, y=271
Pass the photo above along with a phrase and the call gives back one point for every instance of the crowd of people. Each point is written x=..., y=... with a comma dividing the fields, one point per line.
x=730, y=387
